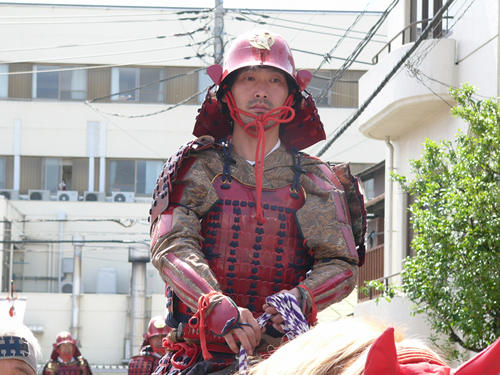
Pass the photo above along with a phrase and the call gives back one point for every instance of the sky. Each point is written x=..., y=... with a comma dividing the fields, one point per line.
x=340, y=5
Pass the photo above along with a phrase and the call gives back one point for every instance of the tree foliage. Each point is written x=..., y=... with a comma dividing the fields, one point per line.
x=455, y=274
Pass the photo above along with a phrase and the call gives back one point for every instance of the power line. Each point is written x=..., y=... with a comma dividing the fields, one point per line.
x=247, y=19
x=357, y=50
x=18, y=242
x=66, y=16
x=345, y=35
x=114, y=42
x=147, y=114
x=127, y=21
x=100, y=66
x=146, y=85
x=436, y=19
x=328, y=57
x=307, y=23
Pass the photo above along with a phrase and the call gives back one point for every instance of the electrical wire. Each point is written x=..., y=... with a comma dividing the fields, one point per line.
x=146, y=85
x=136, y=63
x=101, y=43
x=129, y=52
x=357, y=50
x=69, y=16
x=267, y=16
x=436, y=19
x=329, y=57
x=127, y=21
x=248, y=19
x=126, y=223
x=146, y=114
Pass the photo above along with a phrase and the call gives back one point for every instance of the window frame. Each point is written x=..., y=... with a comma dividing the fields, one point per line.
x=60, y=74
x=137, y=97
x=4, y=81
x=109, y=187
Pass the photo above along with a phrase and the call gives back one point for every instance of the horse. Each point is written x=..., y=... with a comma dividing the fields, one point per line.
x=353, y=346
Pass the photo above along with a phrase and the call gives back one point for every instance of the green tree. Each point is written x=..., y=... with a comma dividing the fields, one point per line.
x=454, y=276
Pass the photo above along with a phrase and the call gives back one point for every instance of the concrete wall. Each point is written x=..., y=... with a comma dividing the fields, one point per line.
x=96, y=221
x=104, y=320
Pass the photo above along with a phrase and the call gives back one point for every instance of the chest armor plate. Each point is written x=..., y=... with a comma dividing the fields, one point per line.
x=72, y=368
x=142, y=365
x=250, y=260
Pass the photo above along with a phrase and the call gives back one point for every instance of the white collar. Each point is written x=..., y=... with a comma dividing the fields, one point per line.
x=276, y=146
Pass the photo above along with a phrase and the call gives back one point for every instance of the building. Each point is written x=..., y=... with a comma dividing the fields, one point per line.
x=93, y=100
x=415, y=103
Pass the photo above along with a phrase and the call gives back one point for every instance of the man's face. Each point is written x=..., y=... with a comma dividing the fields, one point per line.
x=156, y=341
x=258, y=90
x=66, y=351
x=15, y=367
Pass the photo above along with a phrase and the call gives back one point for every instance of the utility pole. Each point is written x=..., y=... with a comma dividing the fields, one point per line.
x=218, y=31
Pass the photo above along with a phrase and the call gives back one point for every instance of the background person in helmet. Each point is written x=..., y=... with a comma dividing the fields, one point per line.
x=239, y=214
x=66, y=358
x=152, y=349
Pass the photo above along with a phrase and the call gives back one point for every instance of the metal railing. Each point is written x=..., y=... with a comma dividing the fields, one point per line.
x=406, y=38
x=373, y=269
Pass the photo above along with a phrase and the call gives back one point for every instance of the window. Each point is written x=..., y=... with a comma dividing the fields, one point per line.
x=369, y=186
x=58, y=173
x=3, y=172
x=48, y=83
x=138, y=85
x=51, y=174
x=73, y=84
x=4, y=80
x=147, y=173
x=121, y=175
x=342, y=94
x=130, y=175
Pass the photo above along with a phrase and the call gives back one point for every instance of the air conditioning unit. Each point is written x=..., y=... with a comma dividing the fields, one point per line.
x=39, y=195
x=123, y=196
x=9, y=193
x=94, y=196
x=67, y=287
x=67, y=195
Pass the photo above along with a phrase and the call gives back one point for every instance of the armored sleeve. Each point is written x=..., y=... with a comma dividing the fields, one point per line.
x=50, y=368
x=176, y=239
x=84, y=366
x=325, y=225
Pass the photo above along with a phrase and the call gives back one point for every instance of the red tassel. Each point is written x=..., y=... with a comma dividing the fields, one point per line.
x=197, y=321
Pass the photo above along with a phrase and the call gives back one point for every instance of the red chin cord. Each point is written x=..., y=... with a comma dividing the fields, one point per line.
x=278, y=115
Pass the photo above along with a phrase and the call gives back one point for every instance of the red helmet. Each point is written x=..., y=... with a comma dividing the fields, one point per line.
x=259, y=48
x=64, y=337
x=157, y=327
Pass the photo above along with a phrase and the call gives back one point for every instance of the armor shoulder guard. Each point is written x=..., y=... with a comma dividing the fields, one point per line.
x=170, y=172
x=141, y=365
x=356, y=204
x=340, y=175
x=50, y=368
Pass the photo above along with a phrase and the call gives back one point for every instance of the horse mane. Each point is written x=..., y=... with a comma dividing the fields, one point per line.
x=331, y=348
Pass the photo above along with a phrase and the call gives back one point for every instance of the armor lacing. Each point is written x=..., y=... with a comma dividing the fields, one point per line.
x=278, y=115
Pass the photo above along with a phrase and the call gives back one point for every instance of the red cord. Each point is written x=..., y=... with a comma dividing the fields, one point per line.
x=279, y=115
x=180, y=349
x=197, y=321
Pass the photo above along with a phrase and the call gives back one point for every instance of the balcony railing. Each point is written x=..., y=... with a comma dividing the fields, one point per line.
x=409, y=34
x=373, y=269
